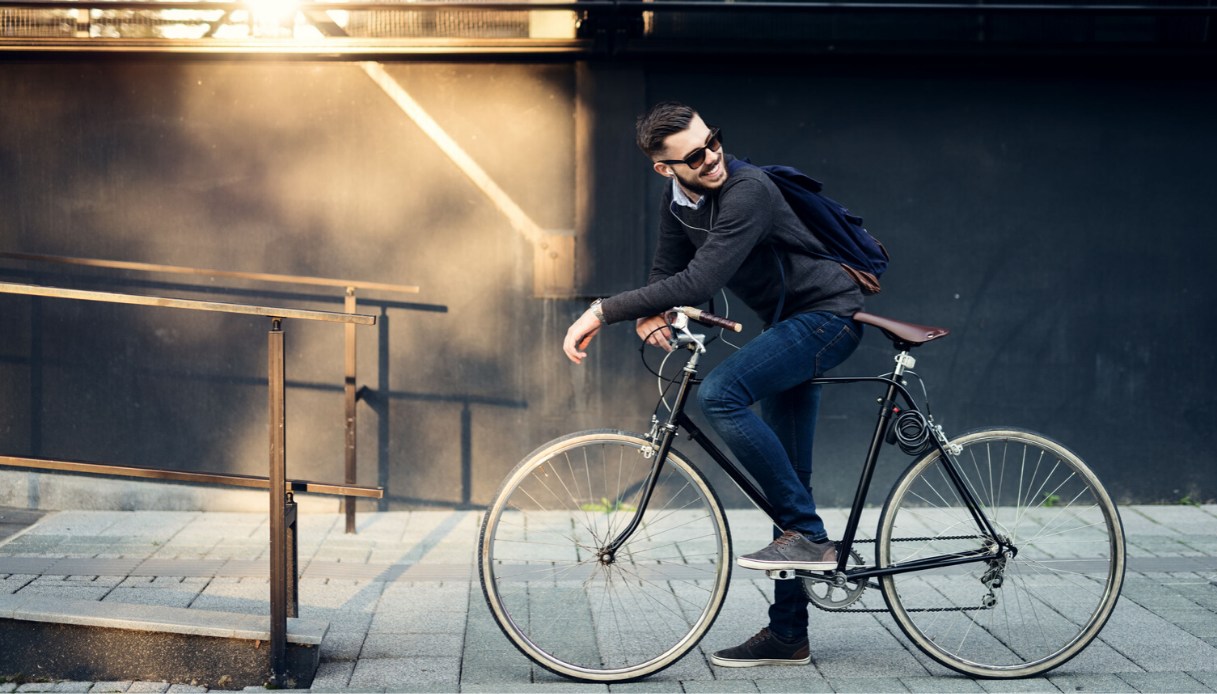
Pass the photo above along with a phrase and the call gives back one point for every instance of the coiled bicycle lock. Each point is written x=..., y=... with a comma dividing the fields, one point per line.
x=911, y=431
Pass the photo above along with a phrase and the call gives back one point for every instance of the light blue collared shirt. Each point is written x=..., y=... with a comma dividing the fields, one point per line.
x=679, y=197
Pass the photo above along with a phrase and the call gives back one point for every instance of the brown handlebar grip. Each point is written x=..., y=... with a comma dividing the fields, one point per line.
x=710, y=319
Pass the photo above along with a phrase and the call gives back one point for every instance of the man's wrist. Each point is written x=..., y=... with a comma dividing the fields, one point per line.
x=598, y=312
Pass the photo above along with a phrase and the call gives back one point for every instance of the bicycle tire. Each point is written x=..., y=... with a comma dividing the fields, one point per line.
x=1055, y=594
x=565, y=608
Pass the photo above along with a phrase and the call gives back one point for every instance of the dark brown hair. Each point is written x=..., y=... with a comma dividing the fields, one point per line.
x=663, y=119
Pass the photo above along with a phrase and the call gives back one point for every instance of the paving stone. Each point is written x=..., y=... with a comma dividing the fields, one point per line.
x=931, y=685
x=711, y=686
x=109, y=687
x=95, y=581
x=485, y=666
x=66, y=591
x=647, y=686
x=378, y=645
x=15, y=582
x=382, y=673
x=542, y=688
x=333, y=676
x=148, y=687
x=400, y=627
x=1163, y=682
x=1014, y=686
x=1098, y=657
x=866, y=685
x=187, y=689
x=416, y=619
x=838, y=664
x=694, y=667
x=806, y=685
x=148, y=596
x=1090, y=683
x=342, y=645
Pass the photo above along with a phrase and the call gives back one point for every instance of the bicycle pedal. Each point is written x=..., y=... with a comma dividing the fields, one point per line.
x=780, y=574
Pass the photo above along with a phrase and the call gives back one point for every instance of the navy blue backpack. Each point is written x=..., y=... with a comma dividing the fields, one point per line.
x=861, y=255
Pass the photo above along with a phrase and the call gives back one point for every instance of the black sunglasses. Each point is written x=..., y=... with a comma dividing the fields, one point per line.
x=698, y=156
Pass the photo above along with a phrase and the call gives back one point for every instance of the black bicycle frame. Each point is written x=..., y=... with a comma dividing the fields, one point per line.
x=679, y=420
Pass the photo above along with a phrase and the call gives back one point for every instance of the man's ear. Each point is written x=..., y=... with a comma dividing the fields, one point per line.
x=663, y=169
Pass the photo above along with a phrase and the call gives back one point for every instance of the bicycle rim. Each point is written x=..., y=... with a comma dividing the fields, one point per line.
x=542, y=572
x=1049, y=600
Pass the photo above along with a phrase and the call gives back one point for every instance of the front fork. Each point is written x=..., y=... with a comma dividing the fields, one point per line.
x=665, y=434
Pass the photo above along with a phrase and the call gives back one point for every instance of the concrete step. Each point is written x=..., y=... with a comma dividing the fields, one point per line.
x=49, y=637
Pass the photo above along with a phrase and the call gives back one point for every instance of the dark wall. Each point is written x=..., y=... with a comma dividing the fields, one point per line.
x=1055, y=216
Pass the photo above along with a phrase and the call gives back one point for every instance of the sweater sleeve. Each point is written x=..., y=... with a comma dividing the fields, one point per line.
x=742, y=220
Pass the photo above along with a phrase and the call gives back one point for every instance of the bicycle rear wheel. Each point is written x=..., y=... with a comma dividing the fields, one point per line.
x=567, y=606
x=1039, y=607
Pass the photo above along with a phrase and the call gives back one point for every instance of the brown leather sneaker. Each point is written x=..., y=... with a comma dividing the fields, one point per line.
x=763, y=649
x=793, y=551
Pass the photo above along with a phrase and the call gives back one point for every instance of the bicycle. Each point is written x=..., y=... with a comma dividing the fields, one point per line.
x=606, y=556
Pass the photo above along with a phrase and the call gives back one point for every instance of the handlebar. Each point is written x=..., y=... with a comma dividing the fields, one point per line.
x=710, y=319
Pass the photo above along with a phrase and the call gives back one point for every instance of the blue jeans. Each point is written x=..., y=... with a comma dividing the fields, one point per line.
x=775, y=447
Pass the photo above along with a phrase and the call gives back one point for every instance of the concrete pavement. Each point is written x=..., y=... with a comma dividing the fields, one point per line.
x=406, y=613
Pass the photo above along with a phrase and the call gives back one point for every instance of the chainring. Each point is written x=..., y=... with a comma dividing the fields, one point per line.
x=829, y=592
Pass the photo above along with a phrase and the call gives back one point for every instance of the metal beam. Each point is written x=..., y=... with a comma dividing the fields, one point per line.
x=190, y=304
x=230, y=480
x=209, y=272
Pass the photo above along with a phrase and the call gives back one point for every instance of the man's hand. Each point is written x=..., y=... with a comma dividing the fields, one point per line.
x=654, y=331
x=579, y=334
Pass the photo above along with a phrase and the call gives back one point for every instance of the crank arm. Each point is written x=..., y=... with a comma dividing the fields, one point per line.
x=825, y=577
x=788, y=574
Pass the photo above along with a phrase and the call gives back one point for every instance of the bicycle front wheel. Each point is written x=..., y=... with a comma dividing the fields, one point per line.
x=562, y=599
x=1017, y=615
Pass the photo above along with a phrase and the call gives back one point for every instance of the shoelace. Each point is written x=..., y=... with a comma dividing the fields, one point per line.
x=787, y=537
x=761, y=636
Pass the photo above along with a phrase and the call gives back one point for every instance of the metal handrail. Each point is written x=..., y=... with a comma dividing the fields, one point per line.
x=284, y=591
x=228, y=479
x=189, y=304
x=350, y=305
x=207, y=272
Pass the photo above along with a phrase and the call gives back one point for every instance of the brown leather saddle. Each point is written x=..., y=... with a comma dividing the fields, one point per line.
x=904, y=336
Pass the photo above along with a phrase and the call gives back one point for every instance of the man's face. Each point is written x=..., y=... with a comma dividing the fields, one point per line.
x=708, y=177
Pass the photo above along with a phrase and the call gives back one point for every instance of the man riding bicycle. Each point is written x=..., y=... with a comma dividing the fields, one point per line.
x=720, y=230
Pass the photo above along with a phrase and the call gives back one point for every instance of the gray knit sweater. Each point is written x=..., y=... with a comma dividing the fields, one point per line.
x=727, y=243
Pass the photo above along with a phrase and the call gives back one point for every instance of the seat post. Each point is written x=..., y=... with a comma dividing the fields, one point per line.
x=904, y=360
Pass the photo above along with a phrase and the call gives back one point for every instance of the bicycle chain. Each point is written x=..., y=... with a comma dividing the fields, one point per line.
x=876, y=585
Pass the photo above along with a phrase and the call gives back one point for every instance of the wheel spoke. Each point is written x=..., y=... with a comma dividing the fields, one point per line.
x=569, y=605
x=1030, y=609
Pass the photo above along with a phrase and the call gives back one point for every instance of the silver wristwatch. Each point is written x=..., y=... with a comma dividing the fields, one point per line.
x=597, y=311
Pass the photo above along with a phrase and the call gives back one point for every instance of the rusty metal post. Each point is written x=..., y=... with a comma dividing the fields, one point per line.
x=293, y=557
x=348, y=502
x=278, y=505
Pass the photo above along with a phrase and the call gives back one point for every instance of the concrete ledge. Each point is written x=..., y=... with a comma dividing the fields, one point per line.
x=57, y=491
x=88, y=640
